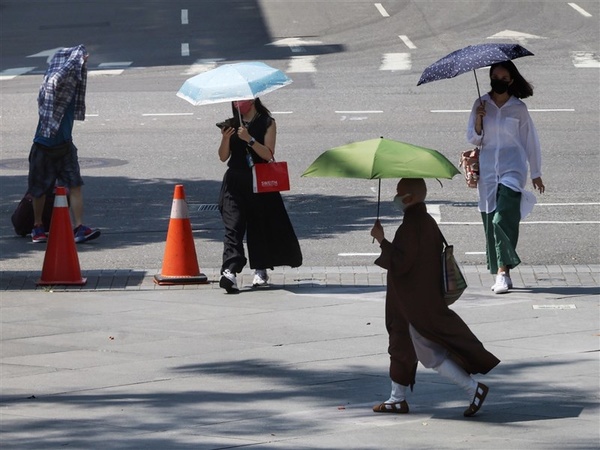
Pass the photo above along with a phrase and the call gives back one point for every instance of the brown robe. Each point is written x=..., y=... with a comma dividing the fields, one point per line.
x=414, y=295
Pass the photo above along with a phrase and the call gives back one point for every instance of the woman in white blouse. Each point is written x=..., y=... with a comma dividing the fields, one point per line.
x=501, y=125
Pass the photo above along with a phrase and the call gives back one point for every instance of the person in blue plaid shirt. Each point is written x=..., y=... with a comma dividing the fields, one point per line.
x=53, y=156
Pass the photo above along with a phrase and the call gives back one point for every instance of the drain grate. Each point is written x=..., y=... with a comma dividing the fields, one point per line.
x=205, y=207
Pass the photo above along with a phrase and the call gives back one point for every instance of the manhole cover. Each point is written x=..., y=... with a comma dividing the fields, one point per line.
x=84, y=163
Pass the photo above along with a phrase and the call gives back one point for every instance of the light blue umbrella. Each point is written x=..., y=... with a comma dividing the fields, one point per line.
x=230, y=82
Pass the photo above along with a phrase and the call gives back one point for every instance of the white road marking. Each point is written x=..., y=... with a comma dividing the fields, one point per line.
x=569, y=204
x=381, y=10
x=167, y=114
x=554, y=307
x=579, y=9
x=474, y=253
x=585, y=60
x=531, y=110
x=185, y=49
x=201, y=66
x=302, y=64
x=49, y=53
x=407, y=41
x=359, y=254
x=396, y=61
x=293, y=42
x=536, y=222
x=515, y=36
x=184, y=17
x=282, y=112
x=9, y=74
x=358, y=112
x=110, y=68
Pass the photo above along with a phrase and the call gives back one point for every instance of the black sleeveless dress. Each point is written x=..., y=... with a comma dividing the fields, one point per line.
x=270, y=236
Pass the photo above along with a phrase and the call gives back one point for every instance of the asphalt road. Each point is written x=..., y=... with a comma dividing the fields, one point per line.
x=355, y=66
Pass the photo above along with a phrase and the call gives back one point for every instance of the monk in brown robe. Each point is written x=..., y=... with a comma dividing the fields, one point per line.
x=420, y=325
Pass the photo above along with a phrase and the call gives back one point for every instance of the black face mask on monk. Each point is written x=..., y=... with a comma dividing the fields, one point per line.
x=499, y=86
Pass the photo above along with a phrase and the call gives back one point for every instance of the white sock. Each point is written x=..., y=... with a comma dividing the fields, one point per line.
x=452, y=371
x=398, y=393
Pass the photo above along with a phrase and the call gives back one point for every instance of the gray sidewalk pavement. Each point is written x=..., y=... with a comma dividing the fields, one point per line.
x=124, y=364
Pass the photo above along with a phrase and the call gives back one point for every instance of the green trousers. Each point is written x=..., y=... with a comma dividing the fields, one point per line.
x=502, y=230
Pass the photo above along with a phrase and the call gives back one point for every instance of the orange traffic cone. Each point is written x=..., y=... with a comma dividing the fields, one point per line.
x=180, y=263
x=61, y=264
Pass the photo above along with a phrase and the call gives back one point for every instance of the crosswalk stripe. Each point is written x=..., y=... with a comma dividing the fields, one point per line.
x=396, y=61
x=9, y=74
x=110, y=68
x=585, y=59
x=201, y=66
x=302, y=64
x=296, y=64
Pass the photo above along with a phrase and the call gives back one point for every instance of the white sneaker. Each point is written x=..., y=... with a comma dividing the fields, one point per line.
x=501, y=286
x=229, y=282
x=509, y=281
x=260, y=278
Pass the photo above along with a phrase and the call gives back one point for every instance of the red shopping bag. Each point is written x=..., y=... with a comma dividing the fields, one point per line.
x=270, y=177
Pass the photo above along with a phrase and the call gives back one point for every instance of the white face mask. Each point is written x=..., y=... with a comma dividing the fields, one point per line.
x=399, y=203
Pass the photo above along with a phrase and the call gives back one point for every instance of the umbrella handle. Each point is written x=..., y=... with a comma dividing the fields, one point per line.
x=481, y=103
x=378, y=200
x=477, y=83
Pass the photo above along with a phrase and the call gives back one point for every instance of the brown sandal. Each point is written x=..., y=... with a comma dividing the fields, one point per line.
x=396, y=407
x=480, y=394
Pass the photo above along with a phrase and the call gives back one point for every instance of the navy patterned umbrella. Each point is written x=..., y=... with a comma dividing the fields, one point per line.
x=471, y=58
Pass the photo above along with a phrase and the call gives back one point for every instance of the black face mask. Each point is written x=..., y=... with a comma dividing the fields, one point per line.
x=499, y=86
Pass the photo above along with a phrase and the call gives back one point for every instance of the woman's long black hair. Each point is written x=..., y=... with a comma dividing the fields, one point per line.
x=520, y=88
x=260, y=108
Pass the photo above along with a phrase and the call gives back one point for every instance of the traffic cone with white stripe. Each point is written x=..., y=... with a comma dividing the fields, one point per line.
x=61, y=263
x=180, y=263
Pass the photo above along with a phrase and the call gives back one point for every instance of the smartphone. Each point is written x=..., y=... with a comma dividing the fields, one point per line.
x=224, y=124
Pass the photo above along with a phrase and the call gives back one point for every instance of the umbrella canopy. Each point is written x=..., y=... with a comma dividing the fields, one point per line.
x=230, y=82
x=381, y=158
x=471, y=58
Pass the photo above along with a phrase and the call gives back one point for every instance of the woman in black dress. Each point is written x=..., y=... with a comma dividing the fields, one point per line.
x=262, y=218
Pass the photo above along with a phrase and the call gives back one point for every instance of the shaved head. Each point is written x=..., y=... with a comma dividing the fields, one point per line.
x=414, y=186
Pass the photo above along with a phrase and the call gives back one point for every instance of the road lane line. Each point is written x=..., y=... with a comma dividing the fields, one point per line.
x=407, y=41
x=569, y=204
x=359, y=254
x=167, y=114
x=580, y=10
x=184, y=17
x=358, y=112
x=185, y=49
x=531, y=110
x=536, y=222
x=381, y=10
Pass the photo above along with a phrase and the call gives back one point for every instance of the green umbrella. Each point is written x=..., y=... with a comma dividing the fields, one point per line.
x=381, y=158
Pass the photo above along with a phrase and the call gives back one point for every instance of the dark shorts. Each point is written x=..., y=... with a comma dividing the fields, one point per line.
x=47, y=170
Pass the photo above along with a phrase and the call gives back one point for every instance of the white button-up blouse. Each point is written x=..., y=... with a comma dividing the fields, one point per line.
x=510, y=144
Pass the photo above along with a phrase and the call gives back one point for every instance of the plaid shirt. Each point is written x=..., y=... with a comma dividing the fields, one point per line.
x=65, y=78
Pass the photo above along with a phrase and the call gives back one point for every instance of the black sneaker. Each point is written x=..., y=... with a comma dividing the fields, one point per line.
x=84, y=234
x=229, y=282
